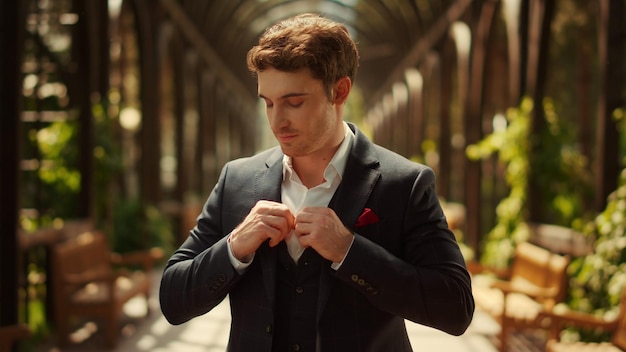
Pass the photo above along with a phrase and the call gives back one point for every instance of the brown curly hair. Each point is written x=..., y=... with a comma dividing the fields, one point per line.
x=307, y=41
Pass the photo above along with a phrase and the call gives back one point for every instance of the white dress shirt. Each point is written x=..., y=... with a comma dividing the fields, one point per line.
x=297, y=196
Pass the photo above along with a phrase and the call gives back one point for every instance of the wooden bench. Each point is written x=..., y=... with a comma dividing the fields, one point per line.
x=560, y=239
x=45, y=238
x=86, y=283
x=536, y=281
x=559, y=319
x=9, y=335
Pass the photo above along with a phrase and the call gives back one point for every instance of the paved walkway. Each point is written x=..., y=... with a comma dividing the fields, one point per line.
x=209, y=333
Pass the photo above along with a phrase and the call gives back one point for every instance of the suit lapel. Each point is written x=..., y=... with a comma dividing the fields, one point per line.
x=348, y=202
x=267, y=186
x=359, y=179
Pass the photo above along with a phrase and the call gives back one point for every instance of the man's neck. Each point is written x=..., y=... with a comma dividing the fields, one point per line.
x=310, y=169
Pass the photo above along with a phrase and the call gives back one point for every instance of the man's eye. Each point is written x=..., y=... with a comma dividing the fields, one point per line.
x=296, y=104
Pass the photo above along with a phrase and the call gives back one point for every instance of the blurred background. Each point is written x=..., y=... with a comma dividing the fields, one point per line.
x=118, y=115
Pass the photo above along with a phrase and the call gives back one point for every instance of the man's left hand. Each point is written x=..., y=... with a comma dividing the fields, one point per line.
x=321, y=228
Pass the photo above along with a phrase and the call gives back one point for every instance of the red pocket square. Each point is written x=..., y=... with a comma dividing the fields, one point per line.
x=368, y=217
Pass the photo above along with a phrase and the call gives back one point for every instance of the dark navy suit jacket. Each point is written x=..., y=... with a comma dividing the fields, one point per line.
x=407, y=265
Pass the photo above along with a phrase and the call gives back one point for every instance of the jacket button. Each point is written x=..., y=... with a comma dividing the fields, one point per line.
x=268, y=328
x=299, y=289
x=295, y=347
x=355, y=278
x=361, y=282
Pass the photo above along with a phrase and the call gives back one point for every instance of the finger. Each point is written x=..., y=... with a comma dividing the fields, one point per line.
x=302, y=229
x=271, y=207
x=274, y=235
x=276, y=209
x=315, y=214
x=282, y=224
x=305, y=216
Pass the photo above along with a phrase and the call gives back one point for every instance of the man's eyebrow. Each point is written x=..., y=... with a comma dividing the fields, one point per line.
x=286, y=96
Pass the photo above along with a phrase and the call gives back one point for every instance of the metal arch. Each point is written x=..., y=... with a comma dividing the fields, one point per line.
x=253, y=13
x=401, y=13
x=217, y=17
x=273, y=14
x=194, y=7
x=369, y=18
x=365, y=22
x=419, y=48
x=360, y=29
x=386, y=30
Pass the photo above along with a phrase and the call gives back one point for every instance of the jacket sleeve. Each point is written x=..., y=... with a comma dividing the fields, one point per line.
x=199, y=274
x=422, y=276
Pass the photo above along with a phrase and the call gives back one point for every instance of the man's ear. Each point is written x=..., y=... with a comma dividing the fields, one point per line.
x=341, y=90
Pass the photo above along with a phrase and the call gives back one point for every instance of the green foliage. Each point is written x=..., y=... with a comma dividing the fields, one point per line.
x=62, y=175
x=550, y=158
x=599, y=278
x=137, y=226
x=512, y=146
x=53, y=187
x=130, y=224
x=107, y=151
x=560, y=171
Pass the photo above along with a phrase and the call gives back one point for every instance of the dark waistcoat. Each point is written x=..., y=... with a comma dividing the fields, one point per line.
x=297, y=287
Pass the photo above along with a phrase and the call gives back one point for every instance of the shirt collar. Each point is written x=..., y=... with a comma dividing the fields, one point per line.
x=337, y=164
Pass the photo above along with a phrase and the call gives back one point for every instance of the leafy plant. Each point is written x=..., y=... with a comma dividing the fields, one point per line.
x=550, y=158
x=599, y=278
x=512, y=146
x=130, y=224
x=137, y=226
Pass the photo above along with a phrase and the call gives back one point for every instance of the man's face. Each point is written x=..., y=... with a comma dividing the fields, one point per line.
x=304, y=121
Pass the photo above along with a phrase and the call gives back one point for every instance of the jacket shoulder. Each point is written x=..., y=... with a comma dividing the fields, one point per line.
x=262, y=159
x=392, y=161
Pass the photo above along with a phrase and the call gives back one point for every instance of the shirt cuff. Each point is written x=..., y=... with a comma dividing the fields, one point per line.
x=336, y=266
x=239, y=265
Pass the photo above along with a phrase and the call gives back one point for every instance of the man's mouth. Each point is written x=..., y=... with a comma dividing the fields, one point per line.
x=286, y=138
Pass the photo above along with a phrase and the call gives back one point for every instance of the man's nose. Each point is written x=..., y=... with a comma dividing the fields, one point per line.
x=277, y=117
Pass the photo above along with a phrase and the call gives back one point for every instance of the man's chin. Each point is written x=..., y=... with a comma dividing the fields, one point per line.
x=291, y=152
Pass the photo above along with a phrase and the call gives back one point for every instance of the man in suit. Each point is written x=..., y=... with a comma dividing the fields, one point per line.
x=328, y=241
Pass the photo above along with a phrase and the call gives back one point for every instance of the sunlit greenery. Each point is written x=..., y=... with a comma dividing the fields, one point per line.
x=130, y=224
x=512, y=146
x=53, y=188
x=599, y=278
x=54, y=173
x=558, y=167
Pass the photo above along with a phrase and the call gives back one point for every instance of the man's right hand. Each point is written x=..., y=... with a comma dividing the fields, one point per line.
x=266, y=220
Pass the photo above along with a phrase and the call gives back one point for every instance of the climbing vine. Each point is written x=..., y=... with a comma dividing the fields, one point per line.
x=512, y=146
x=553, y=160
